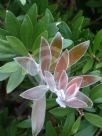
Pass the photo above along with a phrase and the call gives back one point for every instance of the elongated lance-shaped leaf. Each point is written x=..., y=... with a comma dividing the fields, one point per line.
x=61, y=65
x=78, y=51
x=76, y=103
x=45, y=55
x=56, y=48
x=63, y=81
x=35, y=93
x=88, y=80
x=38, y=115
x=50, y=80
x=84, y=98
x=28, y=64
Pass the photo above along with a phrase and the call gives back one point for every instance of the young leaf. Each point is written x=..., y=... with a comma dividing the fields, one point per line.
x=4, y=76
x=78, y=52
x=61, y=65
x=45, y=55
x=87, y=66
x=88, y=80
x=56, y=48
x=17, y=46
x=35, y=93
x=25, y=124
x=38, y=115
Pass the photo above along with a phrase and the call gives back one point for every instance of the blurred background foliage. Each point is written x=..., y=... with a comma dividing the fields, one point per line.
x=22, y=22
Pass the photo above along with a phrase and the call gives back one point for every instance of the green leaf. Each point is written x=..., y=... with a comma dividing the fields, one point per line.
x=52, y=29
x=51, y=103
x=66, y=131
x=96, y=93
x=25, y=124
x=32, y=13
x=17, y=46
x=11, y=23
x=99, y=65
x=23, y=2
x=42, y=5
x=97, y=41
x=4, y=76
x=66, y=43
x=41, y=26
x=75, y=126
x=51, y=18
x=26, y=32
x=9, y=67
x=15, y=79
x=36, y=44
x=65, y=30
x=87, y=66
x=94, y=119
x=50, y=130
x=77, y=26
x=59, y=112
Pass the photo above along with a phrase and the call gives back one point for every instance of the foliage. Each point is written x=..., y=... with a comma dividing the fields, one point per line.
x=23, y=23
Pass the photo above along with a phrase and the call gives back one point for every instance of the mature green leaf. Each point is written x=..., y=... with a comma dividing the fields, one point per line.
x=99, y=65
x=65, y=30
x=50, y=130
x=96, y=93
x=66, y=43
x=4, y=76
x=77, y=26
x=12, y=24
x=17, y=46
x=66, y=131
x=23, y=2
x=15, y=79
x=59, y=112
x=25, y=124
x=32, y=13
x=51, y=103
x=42, y=5
x=76, y=126
x=26, y=32
x=97, y=40
x=87, y=66
x=94, y=119
x=52, y=29
x=9, y=67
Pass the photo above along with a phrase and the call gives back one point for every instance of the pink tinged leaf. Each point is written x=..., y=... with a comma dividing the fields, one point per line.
x=45, y=55
x=72, y=90
x=76, y=103
x=35, y=93
x=88, y=80
x=78, y=51
x=84, y=98
x=28, y=64
x=38, y=115
x=56, y=48
x=63, y=81
x=78, y=81
x=49, y=78
x=61, y=65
